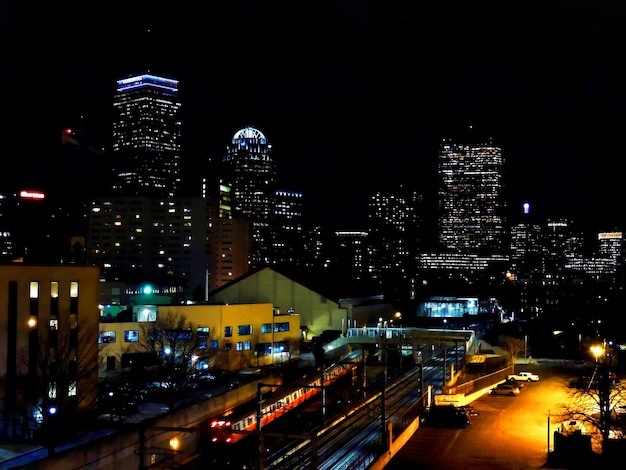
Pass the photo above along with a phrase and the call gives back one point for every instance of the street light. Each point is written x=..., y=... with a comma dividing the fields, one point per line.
x=174, y=443
x=597, y=351
x=601, y=370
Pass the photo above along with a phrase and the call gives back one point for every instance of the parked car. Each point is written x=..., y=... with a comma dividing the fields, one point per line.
x=517, y=383
x=583, y=382
x=505, y=389
x=524, y=377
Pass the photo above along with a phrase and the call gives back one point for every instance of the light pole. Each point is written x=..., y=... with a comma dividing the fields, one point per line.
x=602, y=362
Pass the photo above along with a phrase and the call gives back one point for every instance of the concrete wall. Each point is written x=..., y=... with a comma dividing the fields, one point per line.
x=148, y=442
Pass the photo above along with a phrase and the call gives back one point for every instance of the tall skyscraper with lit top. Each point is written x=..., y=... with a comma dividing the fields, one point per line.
x=146, y=137
x=249, y=170
x=471, y=203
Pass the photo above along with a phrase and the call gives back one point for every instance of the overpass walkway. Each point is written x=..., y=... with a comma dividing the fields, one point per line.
x=419, y=339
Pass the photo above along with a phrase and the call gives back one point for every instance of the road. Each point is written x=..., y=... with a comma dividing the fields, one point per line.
x=510, y=433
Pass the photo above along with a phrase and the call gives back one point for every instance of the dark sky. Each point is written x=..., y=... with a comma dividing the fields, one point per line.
x=354, y=95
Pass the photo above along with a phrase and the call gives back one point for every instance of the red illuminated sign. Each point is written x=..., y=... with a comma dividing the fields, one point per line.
x=29, y=194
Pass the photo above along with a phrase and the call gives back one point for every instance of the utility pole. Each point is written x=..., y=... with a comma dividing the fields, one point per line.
x=601, y=372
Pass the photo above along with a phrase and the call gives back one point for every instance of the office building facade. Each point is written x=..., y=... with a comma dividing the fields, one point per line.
x=288, y=233
x=394, y=236
x=471, y=203
x=48, y=341
x=162, y=241
x=249, y=170
x=146, y=146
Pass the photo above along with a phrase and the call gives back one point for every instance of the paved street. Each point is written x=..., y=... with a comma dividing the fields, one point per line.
x=510, y=433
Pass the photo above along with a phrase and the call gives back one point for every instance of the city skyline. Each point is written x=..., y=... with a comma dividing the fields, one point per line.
x=353, y=99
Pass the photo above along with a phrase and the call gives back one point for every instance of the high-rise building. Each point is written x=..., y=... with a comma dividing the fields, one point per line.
x=146, y=137
x=34, y=229
x=562, y=245
x=288, y=231
x=470, y=198
x=527, y=247
x=394, y=235
x=471, y=206
x=611, y=245
x=351, y=253
x=230, y=241
x=162, y=241
x=250, y=171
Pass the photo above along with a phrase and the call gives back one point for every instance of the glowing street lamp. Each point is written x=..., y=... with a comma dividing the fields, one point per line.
x=174, y=443
x=597, y=351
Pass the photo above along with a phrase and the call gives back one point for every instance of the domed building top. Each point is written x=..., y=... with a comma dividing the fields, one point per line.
x=249, y=132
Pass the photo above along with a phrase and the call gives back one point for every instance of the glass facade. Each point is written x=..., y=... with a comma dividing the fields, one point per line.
x=250, y=172
x=471, y=203
x=146, y=137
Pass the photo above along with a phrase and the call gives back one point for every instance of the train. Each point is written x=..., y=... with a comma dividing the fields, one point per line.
x=231, y=427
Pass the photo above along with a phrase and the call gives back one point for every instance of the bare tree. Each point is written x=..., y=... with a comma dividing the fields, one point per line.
x=586, y=404
x=514, y=347
x=179, y=347
x=63, y=382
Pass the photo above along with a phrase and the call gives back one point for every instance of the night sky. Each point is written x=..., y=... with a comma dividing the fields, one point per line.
x=354, y=96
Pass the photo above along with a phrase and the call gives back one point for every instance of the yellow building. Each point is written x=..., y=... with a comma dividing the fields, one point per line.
x=48, y=338
x=230, y=337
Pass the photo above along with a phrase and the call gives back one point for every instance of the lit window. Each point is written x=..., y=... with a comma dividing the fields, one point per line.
x=54, y=289
x=34, y=290
x=244, y=330
x=106, y=337
x=131, y=336
x=73, y=289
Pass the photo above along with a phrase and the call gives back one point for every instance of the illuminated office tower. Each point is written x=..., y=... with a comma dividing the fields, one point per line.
x=230, y=240
x=146, y=137
x=394, y=235
x=562, y=245
x=351, y=256
x=161, y=241
x=527, y=247
x=470, y=199
x=250, y=171
x=288, y=234
x=611, y=245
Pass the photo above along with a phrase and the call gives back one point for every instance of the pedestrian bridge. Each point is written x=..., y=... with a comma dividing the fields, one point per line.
x=416, y=337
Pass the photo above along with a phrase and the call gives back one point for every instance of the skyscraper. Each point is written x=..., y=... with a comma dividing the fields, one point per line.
x=288, y=231
x=394, y=237
x=161, y=241
x=250, y=171
x=471, y=203
x=146, y=137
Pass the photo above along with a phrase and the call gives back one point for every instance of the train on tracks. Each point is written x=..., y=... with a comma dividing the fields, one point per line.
x=233, y=425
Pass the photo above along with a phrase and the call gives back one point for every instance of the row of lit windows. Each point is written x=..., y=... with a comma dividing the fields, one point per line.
x=132, y=336
x=54, y=289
